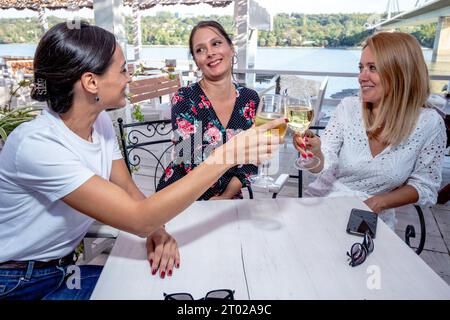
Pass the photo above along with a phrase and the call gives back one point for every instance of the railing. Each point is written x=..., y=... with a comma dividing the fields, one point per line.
x=321, y=74
x=270, y=73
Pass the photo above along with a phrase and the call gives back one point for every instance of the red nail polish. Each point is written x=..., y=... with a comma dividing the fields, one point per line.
x=178, y=265
x=310, y=155
x=154, y=271
x=170, y=273
x=286, y=119
x=303, y=146
x=163, y=274
x=303, y=155
x=151, y=261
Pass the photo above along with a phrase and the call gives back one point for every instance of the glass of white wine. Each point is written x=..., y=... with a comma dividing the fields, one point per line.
x=271, y=107
x=300, y=113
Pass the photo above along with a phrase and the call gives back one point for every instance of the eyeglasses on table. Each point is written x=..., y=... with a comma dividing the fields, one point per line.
x=220, y=294
x=359, y=251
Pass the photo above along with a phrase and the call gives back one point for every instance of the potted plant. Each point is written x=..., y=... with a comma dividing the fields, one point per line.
x=10, y=117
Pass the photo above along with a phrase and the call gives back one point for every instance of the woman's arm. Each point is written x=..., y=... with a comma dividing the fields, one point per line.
x=121, y=177
x=233, y=187
x=110, y=204
x=399, y=197
x=423, y=183
x=162, y=248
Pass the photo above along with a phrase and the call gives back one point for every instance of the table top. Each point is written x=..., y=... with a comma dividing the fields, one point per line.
x=285, y=248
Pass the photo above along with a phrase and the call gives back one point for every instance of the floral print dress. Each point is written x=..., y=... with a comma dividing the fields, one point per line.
x=197, y=131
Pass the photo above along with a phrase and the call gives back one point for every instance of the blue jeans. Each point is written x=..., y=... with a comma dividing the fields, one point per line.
x=67, y=282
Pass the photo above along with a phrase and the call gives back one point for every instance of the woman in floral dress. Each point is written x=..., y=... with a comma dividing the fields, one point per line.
x=208, y=113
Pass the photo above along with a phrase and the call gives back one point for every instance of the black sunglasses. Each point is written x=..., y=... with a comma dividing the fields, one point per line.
x=221, y=294
x=359, y=251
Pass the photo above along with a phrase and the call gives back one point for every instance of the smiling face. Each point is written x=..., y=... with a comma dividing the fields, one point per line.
x=369, y=80
x=113, y=83
x=212, y=53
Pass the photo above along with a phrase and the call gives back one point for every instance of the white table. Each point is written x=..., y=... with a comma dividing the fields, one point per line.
x=271, y=249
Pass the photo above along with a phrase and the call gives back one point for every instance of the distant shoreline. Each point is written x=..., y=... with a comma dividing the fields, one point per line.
x=183, y=46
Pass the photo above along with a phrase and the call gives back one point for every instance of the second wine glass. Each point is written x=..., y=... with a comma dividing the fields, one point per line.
x=271, y=107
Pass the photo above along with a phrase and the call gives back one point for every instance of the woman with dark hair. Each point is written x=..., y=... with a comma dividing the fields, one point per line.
x=215, y=107
x=387, y=146
x=64, y=169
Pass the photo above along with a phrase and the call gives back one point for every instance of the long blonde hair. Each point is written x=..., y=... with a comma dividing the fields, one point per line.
x=404, y=77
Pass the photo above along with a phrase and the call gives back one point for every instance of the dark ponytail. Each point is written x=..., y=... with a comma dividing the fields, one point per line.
x=63, y=55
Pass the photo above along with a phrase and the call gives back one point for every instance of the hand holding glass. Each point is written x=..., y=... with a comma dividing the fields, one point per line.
x=300, y=114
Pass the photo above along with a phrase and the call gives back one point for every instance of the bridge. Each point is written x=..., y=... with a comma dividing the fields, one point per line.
x=424, y=12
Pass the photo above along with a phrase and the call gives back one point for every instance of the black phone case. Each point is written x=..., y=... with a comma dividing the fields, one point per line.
x=361, y=220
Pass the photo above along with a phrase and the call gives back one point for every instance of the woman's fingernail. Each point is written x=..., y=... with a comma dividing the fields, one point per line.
x=303, y=155
x=151, y=261
x=163, y=274
x=178, y=264
x=170, y=273
x=303, y=146
x=310, y=155
x=154, y=271
x=286, y=120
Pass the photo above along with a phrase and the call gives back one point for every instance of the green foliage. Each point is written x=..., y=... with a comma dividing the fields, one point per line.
x=296, y=29
x=137, y=113
x=24, y=30
x=11, y=118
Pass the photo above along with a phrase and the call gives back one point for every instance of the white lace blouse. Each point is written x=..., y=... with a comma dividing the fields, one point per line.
x=350, y=168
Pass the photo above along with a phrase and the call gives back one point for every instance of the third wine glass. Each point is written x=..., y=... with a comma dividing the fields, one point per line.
x=300, y=113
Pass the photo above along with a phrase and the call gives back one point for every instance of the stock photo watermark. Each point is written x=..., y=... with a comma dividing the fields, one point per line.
x=73, y=281
x=188, y=135
x=74, y=20
x=374, y=280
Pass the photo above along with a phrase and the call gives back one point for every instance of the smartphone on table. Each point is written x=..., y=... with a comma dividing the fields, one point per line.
x=362, y=221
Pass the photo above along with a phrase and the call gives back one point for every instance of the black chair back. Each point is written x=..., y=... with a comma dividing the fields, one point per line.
x=137, y=140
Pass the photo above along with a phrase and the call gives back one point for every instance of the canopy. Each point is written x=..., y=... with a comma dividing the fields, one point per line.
x=60, y=4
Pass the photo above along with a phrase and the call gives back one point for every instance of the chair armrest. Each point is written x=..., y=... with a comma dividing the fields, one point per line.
x=279, y=183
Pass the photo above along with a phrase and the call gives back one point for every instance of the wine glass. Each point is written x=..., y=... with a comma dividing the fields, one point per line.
x=300, y=113
x=271, y=107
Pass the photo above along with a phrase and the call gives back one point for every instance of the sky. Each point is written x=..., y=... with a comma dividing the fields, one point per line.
x=274, y=6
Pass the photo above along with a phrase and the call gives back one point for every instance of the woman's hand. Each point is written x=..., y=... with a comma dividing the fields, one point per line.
x=308, y=145
x=162, y=252
x=376, y=203
x=233, y=187
x=252, y=146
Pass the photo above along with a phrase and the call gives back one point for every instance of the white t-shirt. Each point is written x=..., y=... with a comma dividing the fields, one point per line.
x=41, y=162
x=350, y=168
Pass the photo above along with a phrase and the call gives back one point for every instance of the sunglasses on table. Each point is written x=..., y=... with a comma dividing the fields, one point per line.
x=359, y=251
x=221, y=294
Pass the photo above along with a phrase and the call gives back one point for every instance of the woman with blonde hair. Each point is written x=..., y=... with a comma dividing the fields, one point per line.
x=386, y=146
